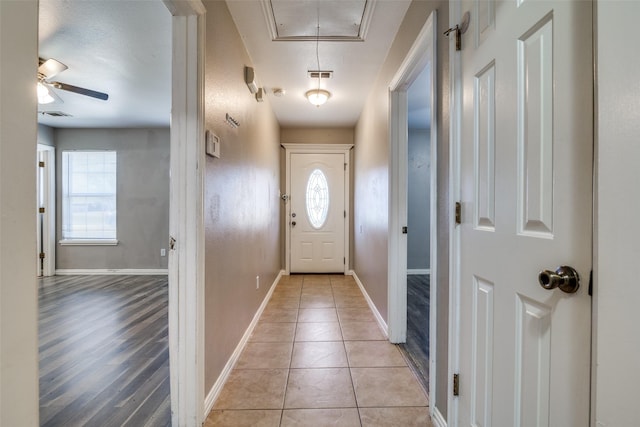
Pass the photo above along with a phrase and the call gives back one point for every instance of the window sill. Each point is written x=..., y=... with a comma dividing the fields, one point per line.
x=89, y=242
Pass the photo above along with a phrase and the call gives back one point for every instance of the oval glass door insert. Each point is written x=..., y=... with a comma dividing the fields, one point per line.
x=317, y=199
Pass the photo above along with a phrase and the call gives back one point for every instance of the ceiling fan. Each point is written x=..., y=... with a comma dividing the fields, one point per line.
x=46, y=71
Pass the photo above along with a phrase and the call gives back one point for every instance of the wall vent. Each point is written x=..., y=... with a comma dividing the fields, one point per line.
x=55, y=114
x=320, y=74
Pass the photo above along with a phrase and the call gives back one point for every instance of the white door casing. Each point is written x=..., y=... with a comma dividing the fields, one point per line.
x=46, y=199
x=323, y=248
x=525, y=146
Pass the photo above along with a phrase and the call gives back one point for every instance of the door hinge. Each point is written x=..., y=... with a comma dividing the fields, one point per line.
x=41, y=210
x=172, y=243
x=591, y=283
x=458, y=213
x=456, y=384
x=41, y=255
x=344, y=260
x=345, y=166
x=41, y=164
x=345, y=214
x=405, y=230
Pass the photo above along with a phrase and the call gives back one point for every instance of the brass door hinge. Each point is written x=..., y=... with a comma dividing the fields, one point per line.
x=458, y=213
x=41, y=255
x=41, y=210
x=41, y=164
x=456, y=384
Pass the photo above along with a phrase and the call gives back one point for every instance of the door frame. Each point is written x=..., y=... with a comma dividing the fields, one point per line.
x=49, y=223
x=294, y=148
x=422, y=52
x=186, y=222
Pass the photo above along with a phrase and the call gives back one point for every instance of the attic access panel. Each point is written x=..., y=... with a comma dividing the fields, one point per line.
x=340, y=20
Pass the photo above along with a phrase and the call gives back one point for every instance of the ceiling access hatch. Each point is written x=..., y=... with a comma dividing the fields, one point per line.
x=339, y=20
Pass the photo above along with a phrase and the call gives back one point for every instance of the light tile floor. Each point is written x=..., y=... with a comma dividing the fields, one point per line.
x=318, y=358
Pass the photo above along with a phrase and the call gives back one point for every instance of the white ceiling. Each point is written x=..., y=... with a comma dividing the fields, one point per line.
x=122, y=47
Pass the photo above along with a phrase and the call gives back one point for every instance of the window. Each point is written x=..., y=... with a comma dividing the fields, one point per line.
x=89, y=197
x=317, y=199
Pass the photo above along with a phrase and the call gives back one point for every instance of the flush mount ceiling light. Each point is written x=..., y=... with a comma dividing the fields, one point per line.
x=318, y=96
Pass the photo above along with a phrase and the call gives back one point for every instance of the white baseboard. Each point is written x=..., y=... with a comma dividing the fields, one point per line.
x=224, y=375
x=372, y=306
x=416, y=271
x=111, y=271
x=437, y=418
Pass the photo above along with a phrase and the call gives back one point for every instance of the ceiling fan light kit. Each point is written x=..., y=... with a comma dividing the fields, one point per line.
x=51, y=67
x=44, y=97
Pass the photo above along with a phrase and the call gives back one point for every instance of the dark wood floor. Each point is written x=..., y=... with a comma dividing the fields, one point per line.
x=417, y=345
x=104, y=356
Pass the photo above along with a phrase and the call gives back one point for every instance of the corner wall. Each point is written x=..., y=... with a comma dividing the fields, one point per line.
x=616, y=349
x=18, y=289
x=242, y=204
x=371, y=215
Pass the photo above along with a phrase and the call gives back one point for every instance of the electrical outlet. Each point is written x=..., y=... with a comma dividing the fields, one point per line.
x=257, y=282
x=163, y=252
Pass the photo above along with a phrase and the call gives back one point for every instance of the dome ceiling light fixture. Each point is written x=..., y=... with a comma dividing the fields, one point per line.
x=318, y=96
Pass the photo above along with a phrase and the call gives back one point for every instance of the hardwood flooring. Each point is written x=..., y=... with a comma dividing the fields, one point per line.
x=417, y=345
x=104, y=355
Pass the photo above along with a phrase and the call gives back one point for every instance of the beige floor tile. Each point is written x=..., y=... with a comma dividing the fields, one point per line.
x=273, y=332
x=243, y=418
x=317, y=301
x=275, y=314
x=344, y=291
x=253, y=389
x=361, y=331
x=319, y=388
x=393, y=417
x=325, y=331
x=317, y=315
x=355, y=314
x=265, y=355
x=383, y=387
x=317, y=291
x=343, y=417
x=319, y=355
x=348, y=301
x=284, y=302
x=369, y=354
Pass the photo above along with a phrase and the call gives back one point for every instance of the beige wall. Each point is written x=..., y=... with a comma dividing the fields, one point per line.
x=616, y=349
x=316, y=135
x=372, y=174
x=242, y=207
x=18, y=290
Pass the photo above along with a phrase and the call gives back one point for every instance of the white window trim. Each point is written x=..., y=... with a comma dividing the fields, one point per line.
x=88, y=242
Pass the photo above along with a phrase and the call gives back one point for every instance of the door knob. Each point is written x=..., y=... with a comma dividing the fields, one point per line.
x=566, y=278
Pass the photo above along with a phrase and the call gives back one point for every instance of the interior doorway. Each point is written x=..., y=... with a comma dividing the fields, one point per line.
x=46, y=211
x=412, y=213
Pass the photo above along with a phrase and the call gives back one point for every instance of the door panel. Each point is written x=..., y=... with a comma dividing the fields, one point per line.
x=525, y=176
x=317, y=213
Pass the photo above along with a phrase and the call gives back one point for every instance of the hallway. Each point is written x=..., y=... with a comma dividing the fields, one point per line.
x=317, y=358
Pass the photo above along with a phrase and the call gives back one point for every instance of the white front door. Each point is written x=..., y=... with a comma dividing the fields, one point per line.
x=526, y=195
x=317, y=216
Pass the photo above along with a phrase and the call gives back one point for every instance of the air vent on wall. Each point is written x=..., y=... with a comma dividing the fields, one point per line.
x=55, y=114
x=320, y=74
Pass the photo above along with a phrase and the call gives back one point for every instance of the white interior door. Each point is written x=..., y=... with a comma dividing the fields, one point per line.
x=318, y=215
x=526, y=195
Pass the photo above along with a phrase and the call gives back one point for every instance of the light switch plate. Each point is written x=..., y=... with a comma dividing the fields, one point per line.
x=212, y=144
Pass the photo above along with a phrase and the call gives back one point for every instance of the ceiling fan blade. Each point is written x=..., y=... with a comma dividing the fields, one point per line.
x=80, y=90
x=50, y=67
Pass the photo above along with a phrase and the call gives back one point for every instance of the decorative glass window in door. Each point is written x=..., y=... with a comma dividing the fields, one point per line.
x=317, y=198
